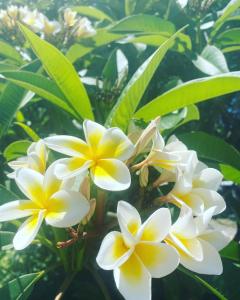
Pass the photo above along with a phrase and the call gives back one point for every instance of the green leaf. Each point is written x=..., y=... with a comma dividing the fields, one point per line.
x=129, y=99
x=212, y=289
x=211, y=61
x=182, y=43
x=12, y=98
x=190, y=92
x=29, y=131
x=231, y=49
x=16, y=150
x=129, y=7
x=6, y=238
x=77, y=51
x=6, y=195
x=62, y=72
x=192, y=115
x=8, y=51
x=143, y=23
x=7, y=67
x=226, y=12
x=212, y=148
x=21, y=287
x=92, y=12
x=232, y=251
x=228, y=38
x=40, y=85
x=230, y=173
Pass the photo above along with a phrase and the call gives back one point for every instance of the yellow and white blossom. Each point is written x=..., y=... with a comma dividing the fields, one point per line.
x=36, y=159
x=198, y=190
x=170, y=159
x=69, y=17
x=103, y=153
x=84, y=28
x=50, y=27
x=197, y=242
x=137, y=254
x=48, y=198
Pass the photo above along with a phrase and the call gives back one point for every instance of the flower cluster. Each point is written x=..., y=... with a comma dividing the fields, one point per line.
x=140, y=250
x=39, y=23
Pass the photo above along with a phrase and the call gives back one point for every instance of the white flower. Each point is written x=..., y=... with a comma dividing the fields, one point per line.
x=84, y=28
x=171, y=159
x=197, y=242
x=12, y=11
x=69, y=17
x=137, y=254
x=198, y=190
x=103, y=153
x=6, y=20
x=50, y=27
x=36, y=159
x=34, y=20
x=49, y=198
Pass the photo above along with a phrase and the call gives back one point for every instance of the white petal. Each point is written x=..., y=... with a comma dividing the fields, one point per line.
x=216, y=238
x=163, y=160
x=208, y=178
x=19, y=163
x=27, y=231
x=129, y=221
x=14, y=210
x=158, y=141
x=159, y=259
x=133, y=280
x=30, y=183
x=111, y=174
x=203, y=220
x=192, y=201
x=156, y=227
x=113, y=251
x=210, y=265
x=210, y=198
x=68, y=145
x=115, y=144
x=66, y=208
x=93, y=133
x=71, y=167
x=185, y=224
x=227, y=227
x=173, y=145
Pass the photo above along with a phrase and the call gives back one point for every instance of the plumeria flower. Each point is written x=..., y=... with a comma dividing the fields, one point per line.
x=51, y=27
x=103, y=154
x=69, y=17
x=198, y=190
x=34, y=20
x=36, y=159
x=13, y=11
x=137, y=254
x=197, y=242
x=170, y=159
x=84, y=28
x=48, y=198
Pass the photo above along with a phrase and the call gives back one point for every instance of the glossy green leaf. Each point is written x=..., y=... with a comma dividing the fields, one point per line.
x=143, y=23
x=212, y=148
x=40, y=85
x=230, y=173
x=128, y=101
x=229, y=49
x=192, y=115
x=232, y=251
x=226, y=12
x=228, y=38
x=92, y=12
x=11, y=99
x=6, y=238
x=6, y=195
x=7, y=67
x=211, y=61
x=16, y=150
x=77, y=51
x=21, y=287
x=211, y=288
x=8, y=51
x=29, y=131
x=62, y=72
x=190, y=92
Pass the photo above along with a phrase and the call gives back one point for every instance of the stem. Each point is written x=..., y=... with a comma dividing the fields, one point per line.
x=100, y=283
x=65, y=285
x=168, y=10
x=100, y=209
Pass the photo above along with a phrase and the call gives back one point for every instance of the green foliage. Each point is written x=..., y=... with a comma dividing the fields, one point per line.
x=16, y=149
x=188, y=93
x=62, y=72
